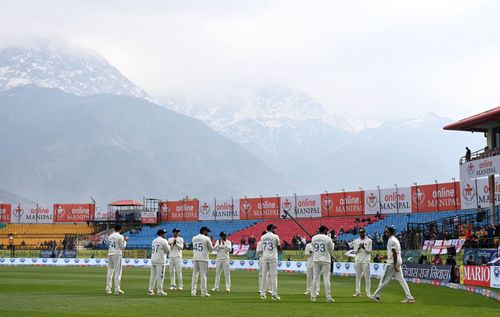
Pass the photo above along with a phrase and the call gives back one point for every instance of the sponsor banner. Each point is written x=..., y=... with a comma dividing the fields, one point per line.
x=104, y=215
x=432, y=197
x=32, y=214
x=260, y=208
x=240, y=249
x=104, y=253
x=5, y=213
x=149, y=217
x=181, y=210
x=73, y=212
x=479, y=256
x=349, y=269
x=388, y=200
x=480, y=168
x=475, y=275
x=427, y=272
x=304, y=206
x=441, y=246
x=288, y=266
x=57, y=254
x=339, y=204
x=495, y=277
x=212, y=209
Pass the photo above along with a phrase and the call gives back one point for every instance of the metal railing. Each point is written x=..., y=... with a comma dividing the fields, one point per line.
x=480, y=154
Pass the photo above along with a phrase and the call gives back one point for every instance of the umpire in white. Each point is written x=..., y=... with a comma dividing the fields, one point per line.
x=159, y=251
x=363, y=250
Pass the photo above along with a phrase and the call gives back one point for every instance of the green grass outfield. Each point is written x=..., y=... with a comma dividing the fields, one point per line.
x=79, y=291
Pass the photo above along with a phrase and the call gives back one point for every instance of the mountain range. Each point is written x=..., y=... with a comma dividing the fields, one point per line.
x=73, y=127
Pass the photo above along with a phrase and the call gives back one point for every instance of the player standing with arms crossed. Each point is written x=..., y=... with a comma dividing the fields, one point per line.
x=159, y=251
x=176, y=244
x=393, y=268
x=223, y=247
x=268, y=249
x=363, y=249
x=202, y=246
x=117, y=244
x=322, y=258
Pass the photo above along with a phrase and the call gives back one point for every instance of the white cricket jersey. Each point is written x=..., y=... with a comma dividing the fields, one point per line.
x=269, y=244
x=116, y=244
x=223, y=249
x=323, y=248
x=393, y=244
x=159, y=250
x=176, y=248
x=363, y=255
x=309, y=254
x=202, y=246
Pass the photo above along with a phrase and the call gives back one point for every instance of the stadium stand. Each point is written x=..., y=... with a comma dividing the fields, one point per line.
x=35, y=234
x=287, y=228
x=140, y=239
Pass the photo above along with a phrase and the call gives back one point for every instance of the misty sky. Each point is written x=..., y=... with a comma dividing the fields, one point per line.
x=386, y=59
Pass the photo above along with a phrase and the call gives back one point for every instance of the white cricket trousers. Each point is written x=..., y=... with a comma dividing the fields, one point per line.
x=260, y=277
x=222, y=265
x=175, y=266
x=272, y=269
x=157, y=276
x=199, y=268
x=363, y=268
x=386, y=278
x=309, y=277
x=321, y=268
x=114, y=268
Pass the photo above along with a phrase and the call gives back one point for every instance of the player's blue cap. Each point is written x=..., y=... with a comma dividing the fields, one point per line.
x=160, y=232
x=271, y=227
x=223, y=234
x=202, y=229
x=175, y=230
x=390, y=229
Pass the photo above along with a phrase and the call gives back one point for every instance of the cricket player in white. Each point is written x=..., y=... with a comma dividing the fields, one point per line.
x=268, y=249
x=223, y=247
x=309, y=267
x=393, y=268
x=202, y=246
x=363, y=250
x=176, y=244
x=322, y=259
x=117, y=244
x=159, y=251
x=260, y=267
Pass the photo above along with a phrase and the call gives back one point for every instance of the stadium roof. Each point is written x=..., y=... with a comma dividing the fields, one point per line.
x=129, y=202
x=477, y=123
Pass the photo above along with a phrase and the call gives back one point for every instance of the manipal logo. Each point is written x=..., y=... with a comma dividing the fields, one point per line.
x=419, y=197
x=246, y=207
x=469, y=193
x=372, y=201
x=471, y=169
x=286, y=205
x=205, y=208
x=60, y=211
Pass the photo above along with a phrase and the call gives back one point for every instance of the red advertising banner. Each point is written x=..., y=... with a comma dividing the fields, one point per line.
x=5, y=213
x=180, y=210
x=339, y=204
x=476, y=275
x=73, y=212
x=260, y=208
x=436, y=197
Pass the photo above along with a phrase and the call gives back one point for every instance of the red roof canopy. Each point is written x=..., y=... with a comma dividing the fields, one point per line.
x=477, y=123
x=129, y=202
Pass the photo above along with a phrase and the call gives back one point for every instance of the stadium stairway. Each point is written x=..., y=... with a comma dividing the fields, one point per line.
x=142, y=239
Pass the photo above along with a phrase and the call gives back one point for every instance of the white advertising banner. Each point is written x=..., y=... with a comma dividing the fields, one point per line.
x=480, y=168
x=214, y=209
x=476, y=192
x=103, y=215
x=32, y=214
x=495, y=277
x=388, y=200
x=304, y=206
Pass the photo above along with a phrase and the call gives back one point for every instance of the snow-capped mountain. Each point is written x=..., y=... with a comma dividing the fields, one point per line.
x=284, y=127
x=79, y=73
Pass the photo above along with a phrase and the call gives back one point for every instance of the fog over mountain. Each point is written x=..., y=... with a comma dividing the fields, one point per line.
x=75, y=127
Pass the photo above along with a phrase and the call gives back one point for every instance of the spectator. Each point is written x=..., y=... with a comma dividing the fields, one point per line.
x=377, y=259
x=437, y=260
x=469, y=261
x=481, y=214
x=467, y=154
x=421, y=259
